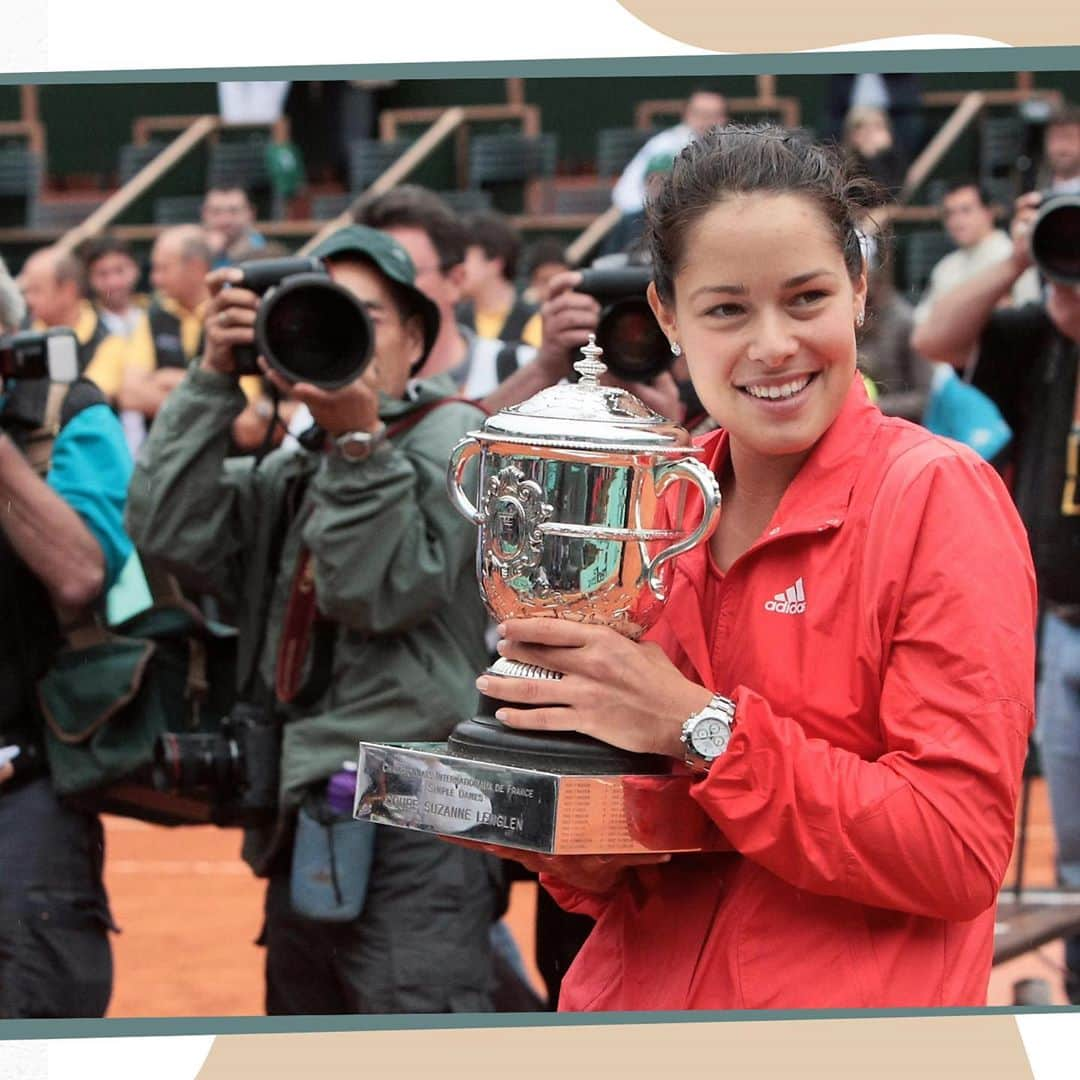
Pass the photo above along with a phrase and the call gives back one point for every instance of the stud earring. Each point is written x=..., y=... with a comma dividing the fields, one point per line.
x=860, y=319
x=676, y=349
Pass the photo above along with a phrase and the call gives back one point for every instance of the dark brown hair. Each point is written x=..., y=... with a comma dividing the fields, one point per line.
x=410, y=206
x=1064, y=116
x=98, y=247
x=744, y=160
x=493, y=232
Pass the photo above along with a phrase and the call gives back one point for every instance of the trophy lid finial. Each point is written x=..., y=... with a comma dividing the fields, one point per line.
x=590, y=367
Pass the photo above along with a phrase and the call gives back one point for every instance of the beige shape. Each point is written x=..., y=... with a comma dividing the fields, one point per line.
x=885, y=1048
x=794, y=25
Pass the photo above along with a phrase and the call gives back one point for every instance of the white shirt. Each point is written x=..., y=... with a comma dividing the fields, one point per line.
x=478, y=375
x=629, y=192
x=870, y=89
x=1066, y=187
x=959, y=266
x=251, y=102
x=120, y=323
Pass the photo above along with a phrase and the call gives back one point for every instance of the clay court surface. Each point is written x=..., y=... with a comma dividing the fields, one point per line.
x=190, y=912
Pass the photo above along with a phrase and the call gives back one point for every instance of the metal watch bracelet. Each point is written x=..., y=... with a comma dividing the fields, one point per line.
x=705, y=734
x=358, y=445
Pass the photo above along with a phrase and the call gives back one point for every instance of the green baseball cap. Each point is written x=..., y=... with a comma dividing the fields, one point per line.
x=393, y=262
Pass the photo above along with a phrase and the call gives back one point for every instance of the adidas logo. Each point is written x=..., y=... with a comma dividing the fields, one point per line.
x=790, y=602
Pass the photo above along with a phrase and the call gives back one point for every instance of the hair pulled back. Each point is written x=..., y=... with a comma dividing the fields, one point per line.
x=746, y=160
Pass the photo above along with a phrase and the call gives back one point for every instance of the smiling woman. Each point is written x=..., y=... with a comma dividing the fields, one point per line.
x=853, y=701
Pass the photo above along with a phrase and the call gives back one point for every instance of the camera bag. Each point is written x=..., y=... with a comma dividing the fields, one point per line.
x=111, y=691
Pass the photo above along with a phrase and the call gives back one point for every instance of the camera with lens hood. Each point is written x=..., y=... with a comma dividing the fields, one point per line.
x=635, y=348
x=50, y=354
x=234, y=768
x=1055, y=238
x=309, y=328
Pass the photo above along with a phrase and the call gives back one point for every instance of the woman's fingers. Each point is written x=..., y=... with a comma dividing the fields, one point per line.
x=526, y=691
x=565, y=661
x=543, y=719
x=559, y=632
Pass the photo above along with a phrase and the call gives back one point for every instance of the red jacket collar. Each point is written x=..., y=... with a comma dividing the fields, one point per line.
x=820, y=493
x=817, y=499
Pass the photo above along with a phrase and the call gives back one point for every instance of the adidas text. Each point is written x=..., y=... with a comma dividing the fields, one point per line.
x=783, y=607
x=792, y=601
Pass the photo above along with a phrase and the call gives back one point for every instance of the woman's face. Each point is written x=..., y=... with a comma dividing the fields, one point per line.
x=765, y=313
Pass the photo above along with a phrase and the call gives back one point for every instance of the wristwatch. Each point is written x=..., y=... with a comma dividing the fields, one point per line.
x=705, y=735
x=359, y=445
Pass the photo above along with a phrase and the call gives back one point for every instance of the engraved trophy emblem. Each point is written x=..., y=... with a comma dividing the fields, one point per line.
x=575, y=521
x=513, y=510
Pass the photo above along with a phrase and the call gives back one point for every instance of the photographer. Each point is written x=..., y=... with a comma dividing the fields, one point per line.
x=392, y=639
x=64, y=471
x=570, y=315
x=1025, y=359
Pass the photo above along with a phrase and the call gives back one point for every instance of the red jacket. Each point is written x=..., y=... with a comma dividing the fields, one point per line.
x=878, y=640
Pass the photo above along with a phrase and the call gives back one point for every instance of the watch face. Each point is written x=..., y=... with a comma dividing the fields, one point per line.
x=355, y=449
x=710, y=737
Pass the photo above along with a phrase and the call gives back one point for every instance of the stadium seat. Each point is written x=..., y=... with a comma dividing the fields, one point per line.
x=922, y=251
x=1001, y=143
x=469, y=201
x=327, y=207
x=133, y=157
x=20, y=184
x=510, y=157
x=243, y=163
x=507, y=165
x=178, y=209
x=616, y=146
x=64, y=213
x=370, y=158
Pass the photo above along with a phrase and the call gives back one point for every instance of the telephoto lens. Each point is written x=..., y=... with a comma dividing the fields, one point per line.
x=635, y=347
x=309, y=328
x=1055, y=239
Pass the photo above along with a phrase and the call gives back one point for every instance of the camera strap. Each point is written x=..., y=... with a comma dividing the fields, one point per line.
x=1070, y=496
x=305, y=630
x=38, y=404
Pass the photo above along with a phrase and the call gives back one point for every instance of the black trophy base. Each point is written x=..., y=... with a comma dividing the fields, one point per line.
x=567, y=753
x=552, y=792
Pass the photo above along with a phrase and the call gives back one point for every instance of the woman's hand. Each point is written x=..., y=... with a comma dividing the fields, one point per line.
x=591, y=873
x=625, y=693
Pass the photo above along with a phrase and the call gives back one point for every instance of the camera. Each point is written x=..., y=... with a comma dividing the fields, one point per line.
x=236, y=767
x=635, y=347
x=309, y=328
x=1055, y=238
x=52, y=354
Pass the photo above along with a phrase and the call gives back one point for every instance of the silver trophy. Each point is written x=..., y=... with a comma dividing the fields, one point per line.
x=573, y=524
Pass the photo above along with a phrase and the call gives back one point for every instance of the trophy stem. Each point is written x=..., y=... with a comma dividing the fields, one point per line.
x=566, y=752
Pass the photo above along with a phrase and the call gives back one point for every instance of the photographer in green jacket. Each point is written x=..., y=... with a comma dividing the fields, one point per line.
x=392, y=642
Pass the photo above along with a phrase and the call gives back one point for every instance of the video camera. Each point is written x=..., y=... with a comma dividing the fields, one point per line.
x=635, y=347
x=1055, y=238
x=50, y=354
x=235, y=768
x=309, y=328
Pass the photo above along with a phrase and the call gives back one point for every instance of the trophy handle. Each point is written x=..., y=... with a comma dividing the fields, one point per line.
x=702, y=476
x=460, y=456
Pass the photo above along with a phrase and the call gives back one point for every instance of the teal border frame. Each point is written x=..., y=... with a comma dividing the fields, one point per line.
x=991, y=58
x=295, y=1025
x=976, y=59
